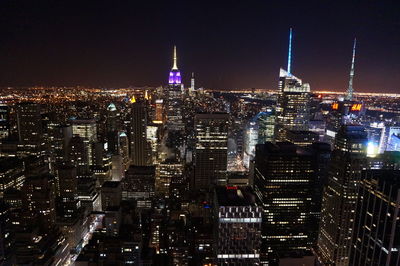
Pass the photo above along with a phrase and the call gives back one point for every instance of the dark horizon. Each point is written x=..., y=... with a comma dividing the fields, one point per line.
x=227, y=46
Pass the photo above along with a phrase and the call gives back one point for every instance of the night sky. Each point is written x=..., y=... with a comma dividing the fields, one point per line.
x=228, y=44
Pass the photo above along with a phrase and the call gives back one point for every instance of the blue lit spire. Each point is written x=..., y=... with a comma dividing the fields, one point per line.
x=289, y=63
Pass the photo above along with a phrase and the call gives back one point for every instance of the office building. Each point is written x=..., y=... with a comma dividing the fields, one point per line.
x=139, y=147
x=301, y=137
x=67, y=203
x=159, y=114
x=210, y=156
x=250, y=140
x=111, y=194
x=288, y=181
x=340, y=195
x=87, y=130
x=376, y=237
x=29, y=123
x=112, y=128
x=4, y=121
x=167, y=171
x=11, y=174
x=39, y=199
x=293, y=104
x=59, y=139
x=266, y=126
x=79, y=155
x=138, y=183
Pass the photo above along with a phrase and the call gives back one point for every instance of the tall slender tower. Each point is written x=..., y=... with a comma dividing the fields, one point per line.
x=349, y=95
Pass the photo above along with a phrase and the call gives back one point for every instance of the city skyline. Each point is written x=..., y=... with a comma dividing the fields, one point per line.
x=236, y=46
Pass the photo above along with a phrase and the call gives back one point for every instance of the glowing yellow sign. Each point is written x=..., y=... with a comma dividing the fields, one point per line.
x=356, y=107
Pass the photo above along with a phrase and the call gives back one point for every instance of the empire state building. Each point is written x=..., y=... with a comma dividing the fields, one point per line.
x=175, y=97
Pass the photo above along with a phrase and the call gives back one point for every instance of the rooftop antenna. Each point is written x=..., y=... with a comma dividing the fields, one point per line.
x=349, y=95
x=175, y=66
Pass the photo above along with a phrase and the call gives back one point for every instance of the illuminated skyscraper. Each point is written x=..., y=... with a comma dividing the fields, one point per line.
x=67, y=203
x=11, y=174
x=59, y=140
x=175, y=74
x=140, y=150
x=192, y=84
x=4, y=121
x=87, y=130
x=293, y=100
x=159, y=115
x=139, y=184
x=340, y=195
x=250, y=141
x=112, y=128
x=39, y=198
x=29, y=122
x=166, y=172
x=266, y=126
x=211, y=151
x=376, y=238
x=174, y=100
x=288, y=183
x=79, y=155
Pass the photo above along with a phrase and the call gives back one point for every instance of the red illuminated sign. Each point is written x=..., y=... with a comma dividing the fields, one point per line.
x=231, y=187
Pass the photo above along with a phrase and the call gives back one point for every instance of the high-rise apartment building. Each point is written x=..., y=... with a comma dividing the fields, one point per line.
x=211, y=156
x=340, y=195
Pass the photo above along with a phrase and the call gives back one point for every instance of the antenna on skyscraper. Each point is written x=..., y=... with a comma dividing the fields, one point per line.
x=289, y=64
x=349, y=95
x=175, y=66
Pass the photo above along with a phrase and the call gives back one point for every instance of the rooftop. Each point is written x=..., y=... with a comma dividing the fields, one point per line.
x=235, y=196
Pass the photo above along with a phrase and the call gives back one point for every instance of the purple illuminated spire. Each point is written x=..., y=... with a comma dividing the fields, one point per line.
x=175, y=74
